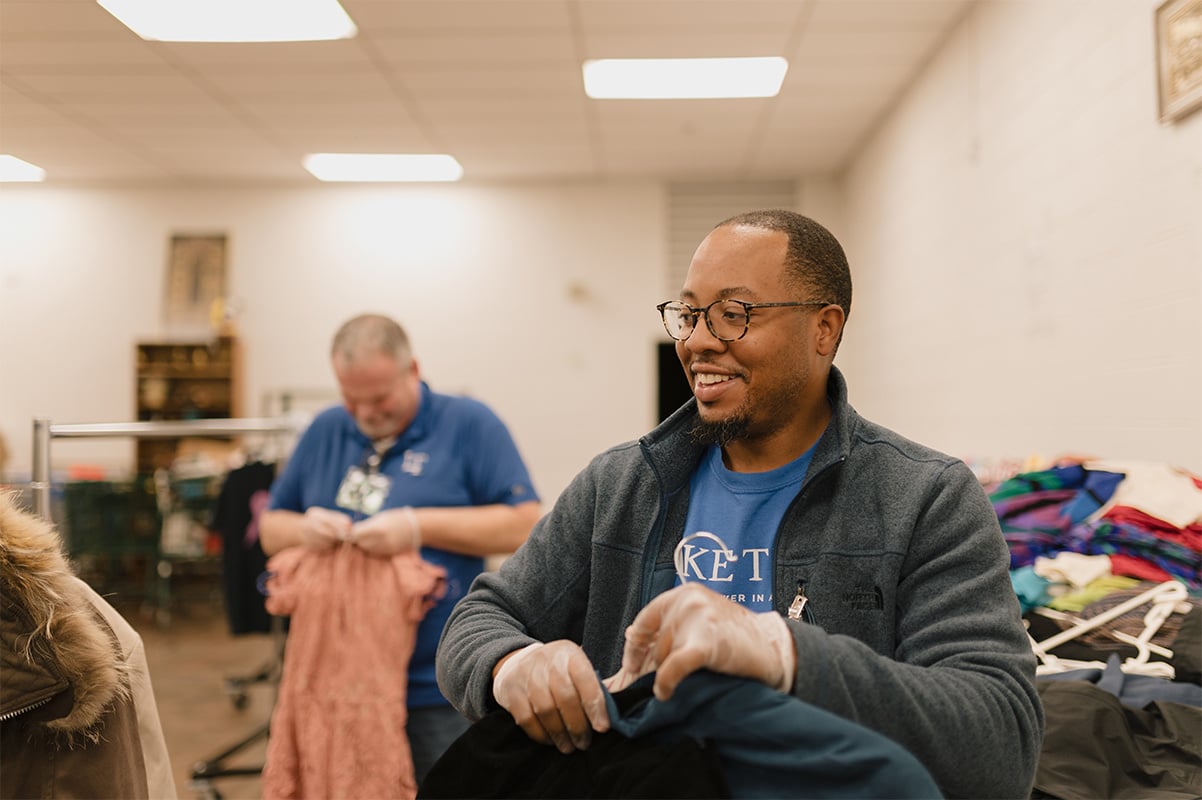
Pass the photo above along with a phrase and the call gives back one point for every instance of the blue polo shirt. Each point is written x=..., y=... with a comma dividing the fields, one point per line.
x=456, y=452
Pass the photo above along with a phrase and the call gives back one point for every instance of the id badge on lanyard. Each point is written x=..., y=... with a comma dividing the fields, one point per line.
x=364, y=490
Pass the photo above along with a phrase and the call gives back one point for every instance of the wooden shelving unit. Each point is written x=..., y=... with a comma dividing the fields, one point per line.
x=181, y=381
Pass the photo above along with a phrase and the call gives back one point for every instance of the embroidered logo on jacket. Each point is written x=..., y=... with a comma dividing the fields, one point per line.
x=865, y=599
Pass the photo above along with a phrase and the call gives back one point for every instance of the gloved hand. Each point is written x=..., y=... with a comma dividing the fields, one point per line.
x=322, y=528
x=388, y=532
x=553, y=693
x=691, y=627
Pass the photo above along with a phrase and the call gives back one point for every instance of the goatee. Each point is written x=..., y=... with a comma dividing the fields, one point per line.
x=721, y=433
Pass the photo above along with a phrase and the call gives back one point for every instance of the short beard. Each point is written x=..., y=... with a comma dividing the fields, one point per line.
x=720, y=433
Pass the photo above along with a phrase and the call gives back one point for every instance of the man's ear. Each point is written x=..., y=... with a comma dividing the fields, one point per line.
x=830, y=328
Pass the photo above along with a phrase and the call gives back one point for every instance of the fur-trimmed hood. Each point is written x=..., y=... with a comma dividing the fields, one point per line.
x=53, y=640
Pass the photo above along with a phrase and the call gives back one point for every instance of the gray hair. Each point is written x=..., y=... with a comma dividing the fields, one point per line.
x=370, y=334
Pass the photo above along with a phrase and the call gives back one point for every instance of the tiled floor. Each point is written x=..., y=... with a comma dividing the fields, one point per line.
x=191, y=655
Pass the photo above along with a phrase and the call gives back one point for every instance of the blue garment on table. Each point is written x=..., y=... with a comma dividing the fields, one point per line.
x=1132, y=689
x=1032, y=589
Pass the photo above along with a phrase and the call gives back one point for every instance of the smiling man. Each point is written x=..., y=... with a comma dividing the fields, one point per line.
x=397, y=468
x=766, y=532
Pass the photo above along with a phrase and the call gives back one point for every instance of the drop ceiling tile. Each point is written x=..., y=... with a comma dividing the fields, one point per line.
x=731, y=114
x=82, y=19
x=166, y=116
x=497, y=80
x=66, y=55
x=357, y=140
x=484, y=81
x=887, y=15
x=271, y=56
x=565, y=107
x=361, y=85
x=692, y=15
x=475, y=48
x=325, y=112
x=853, y=46
x=458, y=15
x=513, y=133
x=80, y=161
x=146, y=86
x=682, y=44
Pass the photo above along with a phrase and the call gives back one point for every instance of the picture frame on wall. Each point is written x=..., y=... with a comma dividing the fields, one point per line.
x=196, y=267
x=1179, y=58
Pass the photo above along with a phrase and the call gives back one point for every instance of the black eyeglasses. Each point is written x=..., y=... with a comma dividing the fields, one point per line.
x=730, y=324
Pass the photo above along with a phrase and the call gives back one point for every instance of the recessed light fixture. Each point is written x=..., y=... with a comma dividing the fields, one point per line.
x=683, y=78
x=233, y=20
x=13, y=169
x=383, y=167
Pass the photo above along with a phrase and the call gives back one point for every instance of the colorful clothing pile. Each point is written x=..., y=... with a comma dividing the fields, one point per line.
x=1147, y=518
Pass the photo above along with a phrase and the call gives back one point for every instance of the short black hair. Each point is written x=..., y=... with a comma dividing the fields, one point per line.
x=814, y=258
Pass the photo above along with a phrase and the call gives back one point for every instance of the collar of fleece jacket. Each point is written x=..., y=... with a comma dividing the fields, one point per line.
x=52, y=639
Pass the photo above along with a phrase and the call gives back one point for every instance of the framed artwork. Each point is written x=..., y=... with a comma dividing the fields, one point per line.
x=195, y=279
x=1179, y=58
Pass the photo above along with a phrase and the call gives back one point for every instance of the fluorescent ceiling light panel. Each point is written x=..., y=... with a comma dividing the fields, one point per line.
x=13, y=169
x=233, y=20
x=382, y=167
x=683, y=78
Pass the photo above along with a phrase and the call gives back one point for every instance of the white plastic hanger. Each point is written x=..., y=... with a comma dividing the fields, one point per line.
x=1165, y=599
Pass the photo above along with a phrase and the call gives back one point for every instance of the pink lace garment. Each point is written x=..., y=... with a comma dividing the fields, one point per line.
x=338, y=728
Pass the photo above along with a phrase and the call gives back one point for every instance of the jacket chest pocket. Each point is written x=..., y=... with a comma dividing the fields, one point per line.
x=844, y=595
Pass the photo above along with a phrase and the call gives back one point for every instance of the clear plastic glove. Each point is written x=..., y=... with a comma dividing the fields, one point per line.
x=388, y=532
x=553, y=693
x=690, y=628
x=322, y=528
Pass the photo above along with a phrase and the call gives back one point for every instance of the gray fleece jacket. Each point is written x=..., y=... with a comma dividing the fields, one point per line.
x=911, y=627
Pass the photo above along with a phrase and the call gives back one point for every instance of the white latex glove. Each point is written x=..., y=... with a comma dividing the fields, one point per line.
x=690, y=628
x=553, y=693
x=322, y=528
x=388, y=532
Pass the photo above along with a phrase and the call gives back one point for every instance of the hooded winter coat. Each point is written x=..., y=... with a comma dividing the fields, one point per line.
x=77, y=712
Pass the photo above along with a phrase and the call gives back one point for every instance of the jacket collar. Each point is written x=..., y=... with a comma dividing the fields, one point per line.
x=674, y=455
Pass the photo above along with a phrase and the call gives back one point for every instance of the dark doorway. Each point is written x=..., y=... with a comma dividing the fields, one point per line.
x=673, y=385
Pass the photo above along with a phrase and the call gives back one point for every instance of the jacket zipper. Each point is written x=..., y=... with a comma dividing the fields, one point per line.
x=799, y=609
x=18, y=712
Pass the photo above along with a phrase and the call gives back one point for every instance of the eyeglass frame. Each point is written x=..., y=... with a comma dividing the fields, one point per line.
x=705, y=312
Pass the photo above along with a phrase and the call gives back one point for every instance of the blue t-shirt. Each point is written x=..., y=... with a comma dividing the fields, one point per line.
x=730, y=530
x=456, y=452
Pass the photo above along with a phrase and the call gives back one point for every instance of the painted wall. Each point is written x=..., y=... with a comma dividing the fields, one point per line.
x=1025, y=237
x=1026, y=240
x=538, y=300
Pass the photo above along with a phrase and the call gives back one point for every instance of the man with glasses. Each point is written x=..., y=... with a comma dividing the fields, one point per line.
x=396, y=468
x=765, y=531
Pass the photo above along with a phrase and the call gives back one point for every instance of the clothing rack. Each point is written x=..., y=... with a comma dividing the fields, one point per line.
x=44, y=432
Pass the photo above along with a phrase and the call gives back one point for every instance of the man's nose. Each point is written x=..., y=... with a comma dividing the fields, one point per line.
x=701, y=338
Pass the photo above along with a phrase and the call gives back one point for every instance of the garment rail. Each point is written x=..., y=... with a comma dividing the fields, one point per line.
x=44, y=431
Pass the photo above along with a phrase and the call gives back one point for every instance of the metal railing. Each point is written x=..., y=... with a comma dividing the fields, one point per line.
x=44, y=431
